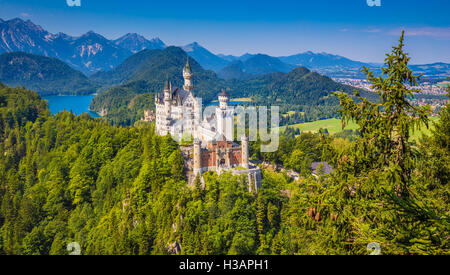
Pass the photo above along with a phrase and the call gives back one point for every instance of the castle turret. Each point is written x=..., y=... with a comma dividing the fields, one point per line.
x=167, y=98
x=188, y=75
x=167, y=89
x=197, y=157
x=224, y=97
x=244, y=144
x=224, y=116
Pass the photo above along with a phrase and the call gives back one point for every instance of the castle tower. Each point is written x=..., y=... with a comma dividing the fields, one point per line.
x=188, y=75
x=197, y=116
x=245, y=152
x=197, y=157
x=167, y=98
x=224, y=116
x=167, y=90
x=224, y=97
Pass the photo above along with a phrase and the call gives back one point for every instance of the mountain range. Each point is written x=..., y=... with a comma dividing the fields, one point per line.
x=88, y=53
x=92, y=53
x=136, y=43
x=321, y=60
x=253, y=65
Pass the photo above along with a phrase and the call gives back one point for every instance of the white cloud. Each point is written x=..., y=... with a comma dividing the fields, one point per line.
x=373, y=30
x=435, y=32
x=432, y=32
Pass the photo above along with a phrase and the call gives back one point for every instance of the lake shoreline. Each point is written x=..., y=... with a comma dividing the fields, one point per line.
x=78, y=104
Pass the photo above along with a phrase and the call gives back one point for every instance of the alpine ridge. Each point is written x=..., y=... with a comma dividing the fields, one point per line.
x=88, y=53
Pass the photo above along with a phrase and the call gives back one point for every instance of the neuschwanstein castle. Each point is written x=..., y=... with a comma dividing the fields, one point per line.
x=178, y=112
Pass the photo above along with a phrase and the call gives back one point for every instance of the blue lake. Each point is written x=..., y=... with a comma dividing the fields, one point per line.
x=76, y=104
x=80, y=104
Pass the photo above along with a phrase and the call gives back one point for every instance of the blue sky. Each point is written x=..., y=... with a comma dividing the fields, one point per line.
x=346, y=27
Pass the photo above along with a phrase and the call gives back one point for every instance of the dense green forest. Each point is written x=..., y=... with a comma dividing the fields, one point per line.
x=45, y=75
x=125, y=104
x=122, y=190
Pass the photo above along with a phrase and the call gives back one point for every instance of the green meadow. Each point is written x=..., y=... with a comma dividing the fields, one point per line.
x=334, y=125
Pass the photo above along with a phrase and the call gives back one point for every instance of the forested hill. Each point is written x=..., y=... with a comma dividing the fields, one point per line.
x=18, y=106
x=115, y=190
x=308, y=95
x=66, y=178
x=45, y=75
x=121, y=190
x=125, y=71
x=299, y=87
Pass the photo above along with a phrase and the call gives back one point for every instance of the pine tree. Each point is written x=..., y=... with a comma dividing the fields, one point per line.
x=385, y=127
x=379, y=199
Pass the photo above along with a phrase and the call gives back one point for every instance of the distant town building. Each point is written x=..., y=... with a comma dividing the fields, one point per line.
x=425, y=92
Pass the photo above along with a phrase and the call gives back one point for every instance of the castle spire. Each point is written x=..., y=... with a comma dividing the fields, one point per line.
x=167, y=84
x=188, y=65
x=188, y=75
x=167, y=90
